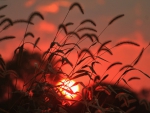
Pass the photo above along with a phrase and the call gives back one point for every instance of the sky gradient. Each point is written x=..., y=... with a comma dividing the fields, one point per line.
x=134, y=26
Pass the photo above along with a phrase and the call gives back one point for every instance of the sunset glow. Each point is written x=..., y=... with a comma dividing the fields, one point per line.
x=67, y=88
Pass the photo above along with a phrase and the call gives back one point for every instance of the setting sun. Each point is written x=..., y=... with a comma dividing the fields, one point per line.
x=66, y=88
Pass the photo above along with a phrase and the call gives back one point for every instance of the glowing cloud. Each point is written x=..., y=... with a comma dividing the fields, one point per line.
x=46, y=27
x=53, y=7
x=101, y=2
x=29, y=3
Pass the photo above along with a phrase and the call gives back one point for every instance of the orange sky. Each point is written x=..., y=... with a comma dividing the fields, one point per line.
x=134, y=26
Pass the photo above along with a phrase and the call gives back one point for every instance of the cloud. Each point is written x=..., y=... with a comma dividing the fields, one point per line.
x=101, y=2
x=46, y=27
x=29, y=3
x=53, y=7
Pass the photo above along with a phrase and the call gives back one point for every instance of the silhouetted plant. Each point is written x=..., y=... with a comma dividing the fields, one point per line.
x=41, y=93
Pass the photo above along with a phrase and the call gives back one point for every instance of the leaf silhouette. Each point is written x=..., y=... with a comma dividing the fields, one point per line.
x=2, y=63
x=126, y=66
x=82, y=60
x=62, y=26
x=88, y=21
x=104, y=77
x=35, y=14
x=1, y=16
x=67, y=61
x=82, y=74
x=29, y=34
x=36, y=42
x=87, y=35
x=107, y=50
x=114, y=64
x=115, y=18
x=102, y=59
x=68, y=24
x=139, y=57
x=74, y=33
x=71, y=49
x=130, y=110
x=7, y=38
x=127, y=42
x=103, y=45
x=2, y=7
x=145, y=103
x=86, y=28
x=95, y=36
x=6, y=20
x=78, y=5
x=96, y=78
x=87, y=51
x=133, y=78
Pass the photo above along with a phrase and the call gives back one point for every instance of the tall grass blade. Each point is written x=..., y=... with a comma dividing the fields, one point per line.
x=78, y=5
x=36, y=42
x=38, y=14
x=83, y=60
x=130, y=110
x=7, y=38
x=29, y=34
x=88, y=21
x=127, y=42
x=128, y=71
x=145, y=103
x=139, y=57
x=2, y=7
x=74, y=33
x=87, y=35
x=107, y=50
x=20, y=54
x=54, y=43
x=14, y=73
x=125, y=82
x=126, y=66
x=71, y=49
x=17, y=21
x=67, y=61
x=95, y=36
x=86, y=28
x=6, y=20
x=102, y=59
x=86, y=51
x=103, y=45
x=22, y=21
x=82, y=71
x=1, y=16
x=114, y=64
x=71, y=44
x=81, y=75
x=144, y=73
x=96, y=78
x=104, y=77
x=33, y=45
x=62, y=26
x=92, y=69
x=68, y=24
x=134, y=78
x=115, y=18
x=2, y=63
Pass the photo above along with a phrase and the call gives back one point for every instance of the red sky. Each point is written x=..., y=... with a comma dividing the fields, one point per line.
x=134, y=26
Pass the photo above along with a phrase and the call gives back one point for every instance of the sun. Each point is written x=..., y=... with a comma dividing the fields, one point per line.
x=67, y=89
